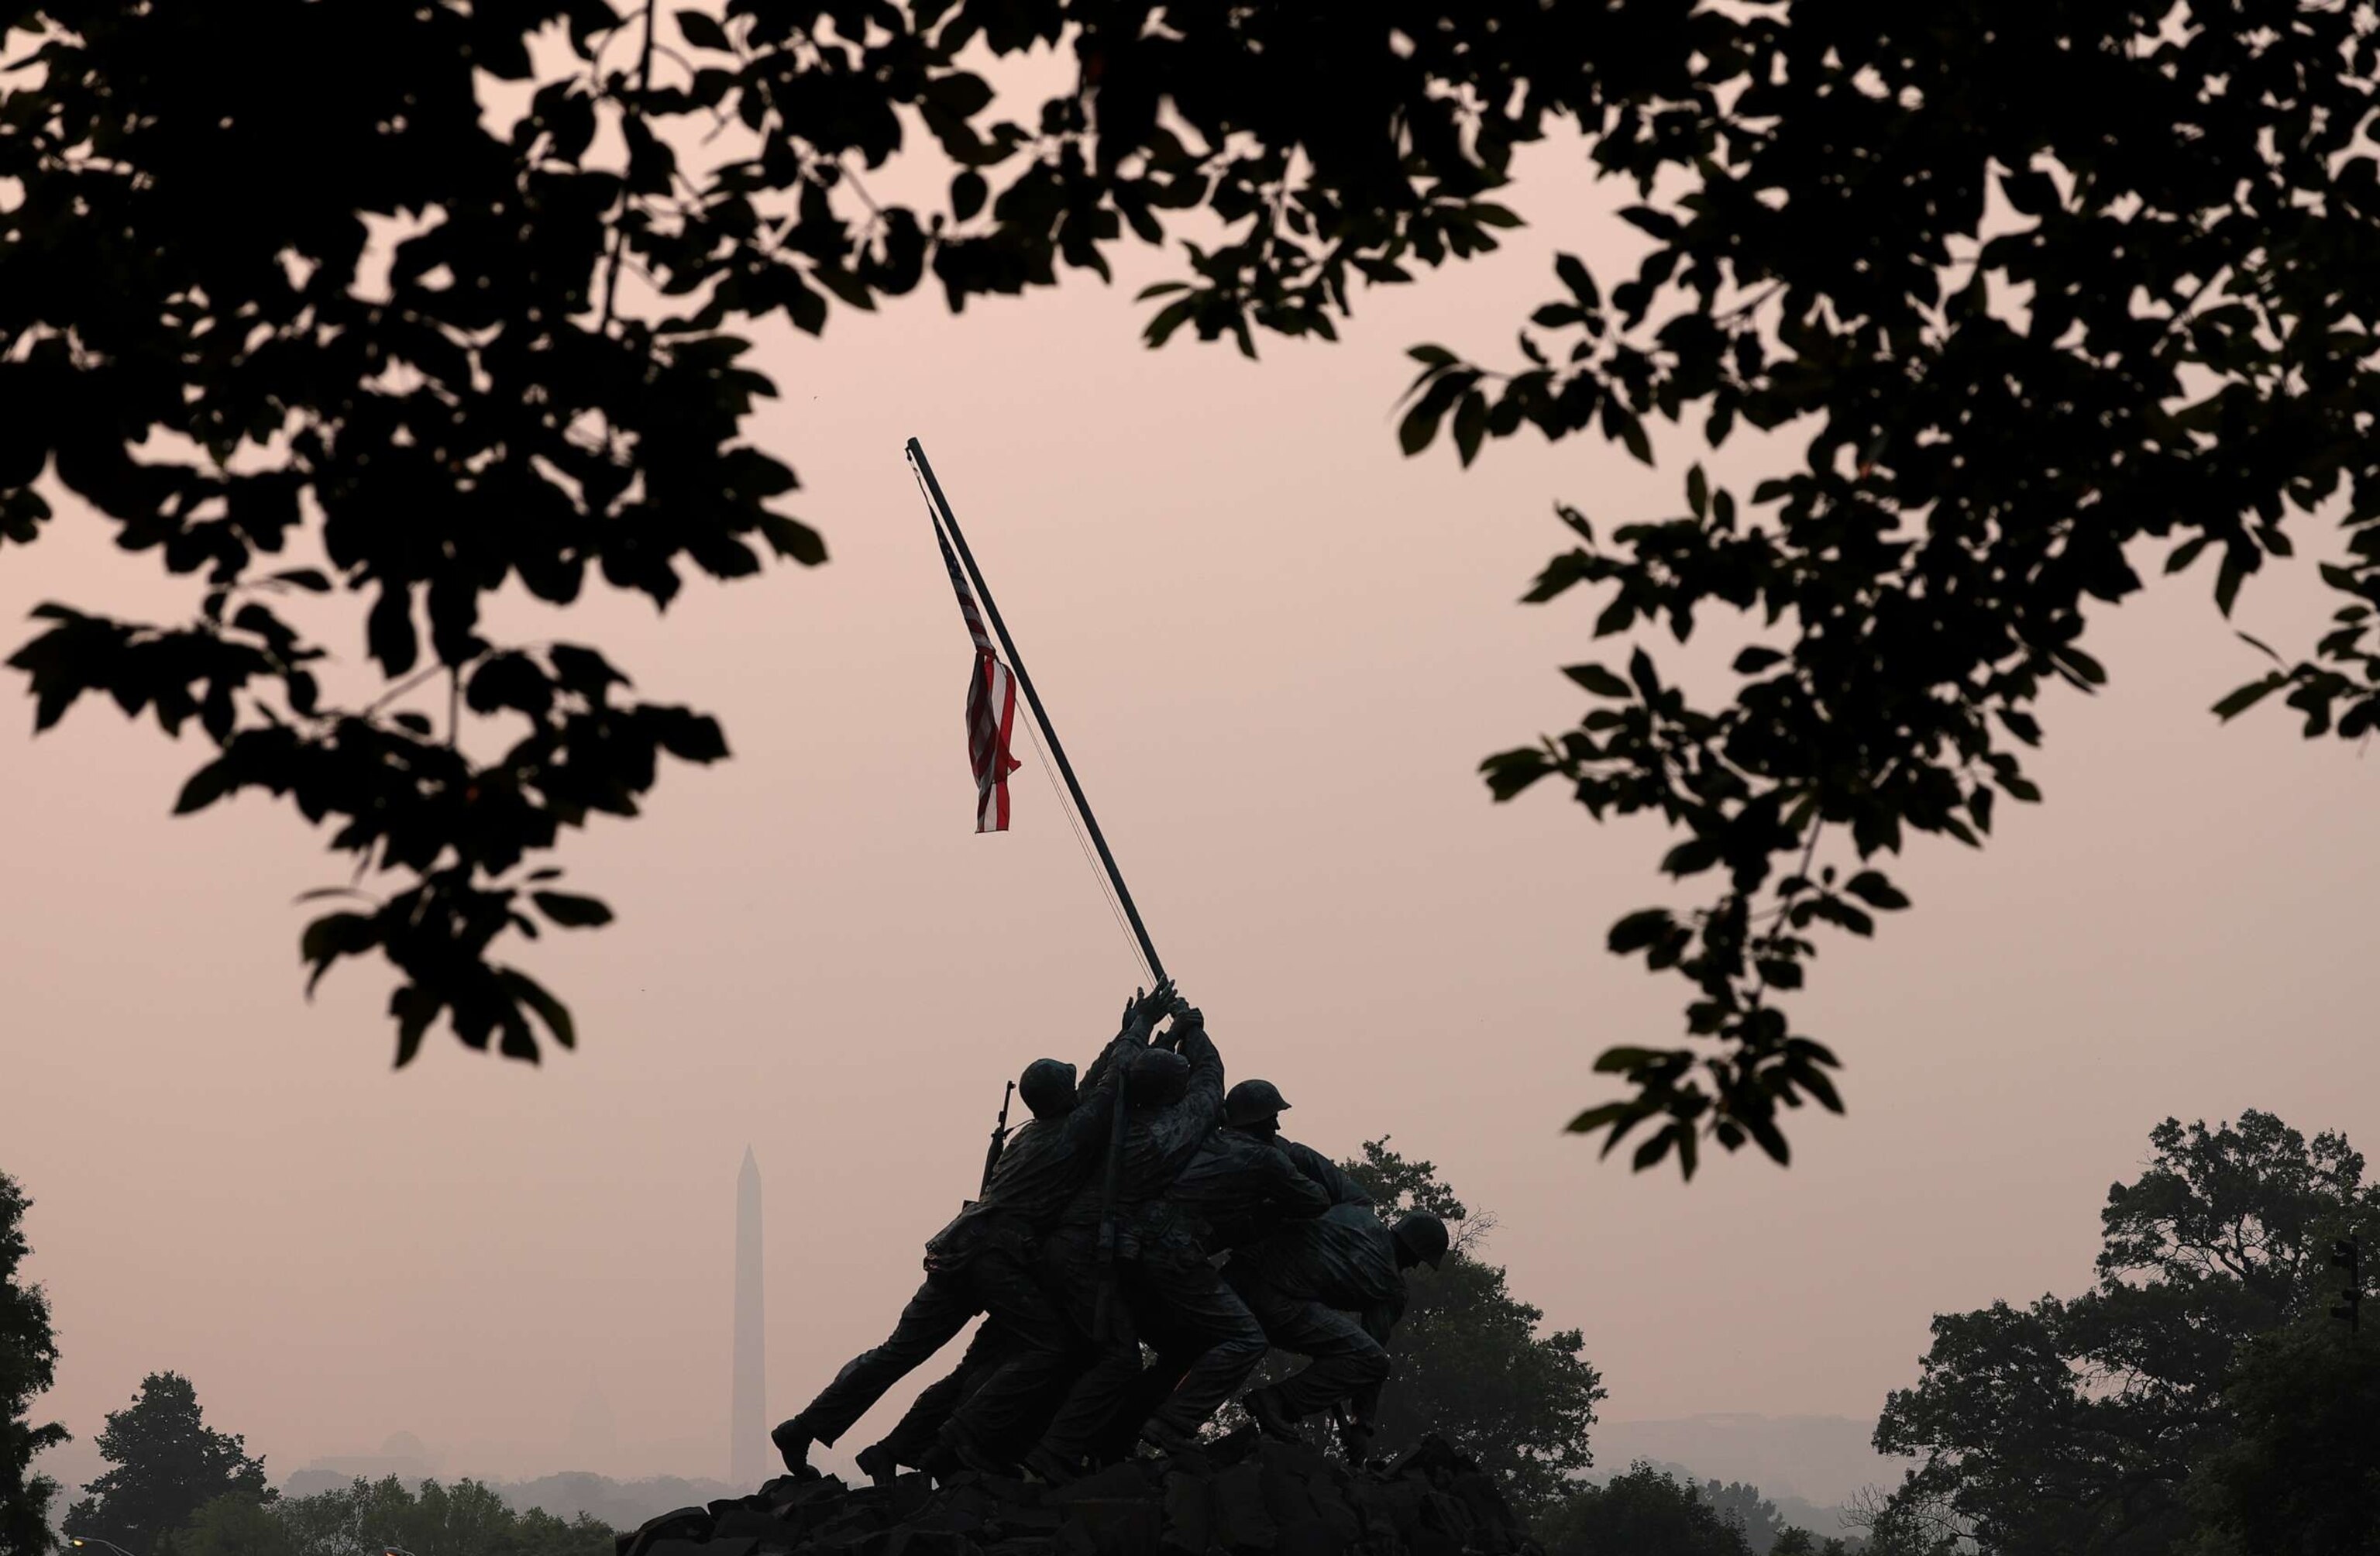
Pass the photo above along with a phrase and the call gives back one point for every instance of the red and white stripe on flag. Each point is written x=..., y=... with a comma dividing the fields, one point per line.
x=991, y=720
x=990, y=707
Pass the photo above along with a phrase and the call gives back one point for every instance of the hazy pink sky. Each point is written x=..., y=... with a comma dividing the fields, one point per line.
x=1277, y=650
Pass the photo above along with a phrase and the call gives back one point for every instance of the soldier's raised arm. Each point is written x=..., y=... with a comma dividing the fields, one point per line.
x=1141, y=1013
x=1202, y=1102
x=1087, y=1126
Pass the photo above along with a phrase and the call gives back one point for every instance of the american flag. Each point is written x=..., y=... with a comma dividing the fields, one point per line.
x=990, y=707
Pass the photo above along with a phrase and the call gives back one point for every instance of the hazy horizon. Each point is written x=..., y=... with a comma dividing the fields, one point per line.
x=1277, y=652
x=1824, y=1459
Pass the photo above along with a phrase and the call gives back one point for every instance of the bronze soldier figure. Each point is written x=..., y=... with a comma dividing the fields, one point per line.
x=1237, y=1190
x=1344, y=1289
x=985, y=1261
x=1332, y=1290
x=1175, y=1099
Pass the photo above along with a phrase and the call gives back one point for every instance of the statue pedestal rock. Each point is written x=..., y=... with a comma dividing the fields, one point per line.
x=1242, y=1497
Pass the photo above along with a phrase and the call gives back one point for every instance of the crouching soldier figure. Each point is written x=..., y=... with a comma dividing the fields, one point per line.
x=1241, y=1185
x=1332, y=1290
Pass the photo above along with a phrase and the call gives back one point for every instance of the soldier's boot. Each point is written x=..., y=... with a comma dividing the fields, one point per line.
x=941, y=1462
x=1356, y=1440
x=1273, y=1417
x=792, y=1440
x=876, y=1463
x=957, y=1440
x=1050, y=1467
x=1171, y=1440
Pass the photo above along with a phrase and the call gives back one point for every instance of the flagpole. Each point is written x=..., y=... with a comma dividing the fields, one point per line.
x=1033, y=699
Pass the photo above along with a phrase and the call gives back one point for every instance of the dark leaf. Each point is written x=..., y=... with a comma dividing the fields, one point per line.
x=1872, y=888
x=570, y=911
x=2247, y=696
x=390, y=630
x=791, y=536
x=1598, y=1118
x=703, y=31
x=206, y=786
x=1639, y=929
x=968, y=191
x=1598, y=680
x=549, y=1010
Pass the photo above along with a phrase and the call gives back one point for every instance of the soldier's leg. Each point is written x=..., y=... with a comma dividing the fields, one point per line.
x=916, y=1431
x=1343, y=1362
x=1175, y=1351
x=1194, y=1297
x=1113, y=1353
x=933, y=1317
x=1079, y=1357
x=1001, y=1415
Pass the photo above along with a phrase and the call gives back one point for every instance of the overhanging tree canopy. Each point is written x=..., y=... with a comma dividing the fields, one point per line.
x=2160, y=331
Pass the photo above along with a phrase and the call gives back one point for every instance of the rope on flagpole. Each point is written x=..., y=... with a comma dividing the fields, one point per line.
x=1106, y=895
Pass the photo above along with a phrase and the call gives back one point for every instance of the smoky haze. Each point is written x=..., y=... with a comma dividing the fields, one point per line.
x=1277, y=652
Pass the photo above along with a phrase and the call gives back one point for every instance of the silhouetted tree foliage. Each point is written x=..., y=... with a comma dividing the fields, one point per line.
x=29, y=1358
x=2300, y=1475
x=525, y=374
x=2079, y=1425
x=1903, y=1522
x=1797, y=1541
x=1642, y=1513
x=2030, y=285
x=464, y=1519
x=1742, y=1505
x=1471, y=1365
x=165, y=1464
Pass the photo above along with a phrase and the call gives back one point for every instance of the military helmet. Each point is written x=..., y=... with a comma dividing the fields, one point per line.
x=1422, y=1235
x=1158, y=1077
x=1047, y=1087
x=1253, y=1102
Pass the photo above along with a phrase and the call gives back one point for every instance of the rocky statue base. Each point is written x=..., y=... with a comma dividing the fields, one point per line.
x=1243, y=1496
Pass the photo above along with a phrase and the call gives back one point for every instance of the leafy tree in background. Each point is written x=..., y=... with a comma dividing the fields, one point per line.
x=238, y=1525
x=1642, y=1513
x=464, y=1519
x=167, y=1462
x=1471, y=1365
x=2027, y=289
x=29, y=1357
x=2300, y=1475
x=1904, y=1524
x=1743, y=1506
x=1803, y=1543
x=1795, y=1542
x=2077, y=1426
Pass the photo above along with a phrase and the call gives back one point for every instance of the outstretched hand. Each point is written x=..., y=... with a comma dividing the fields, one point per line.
x=1186, y=1019
x=1142, y=1012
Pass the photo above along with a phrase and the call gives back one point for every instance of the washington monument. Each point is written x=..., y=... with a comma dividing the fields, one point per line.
x=747, y=1418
